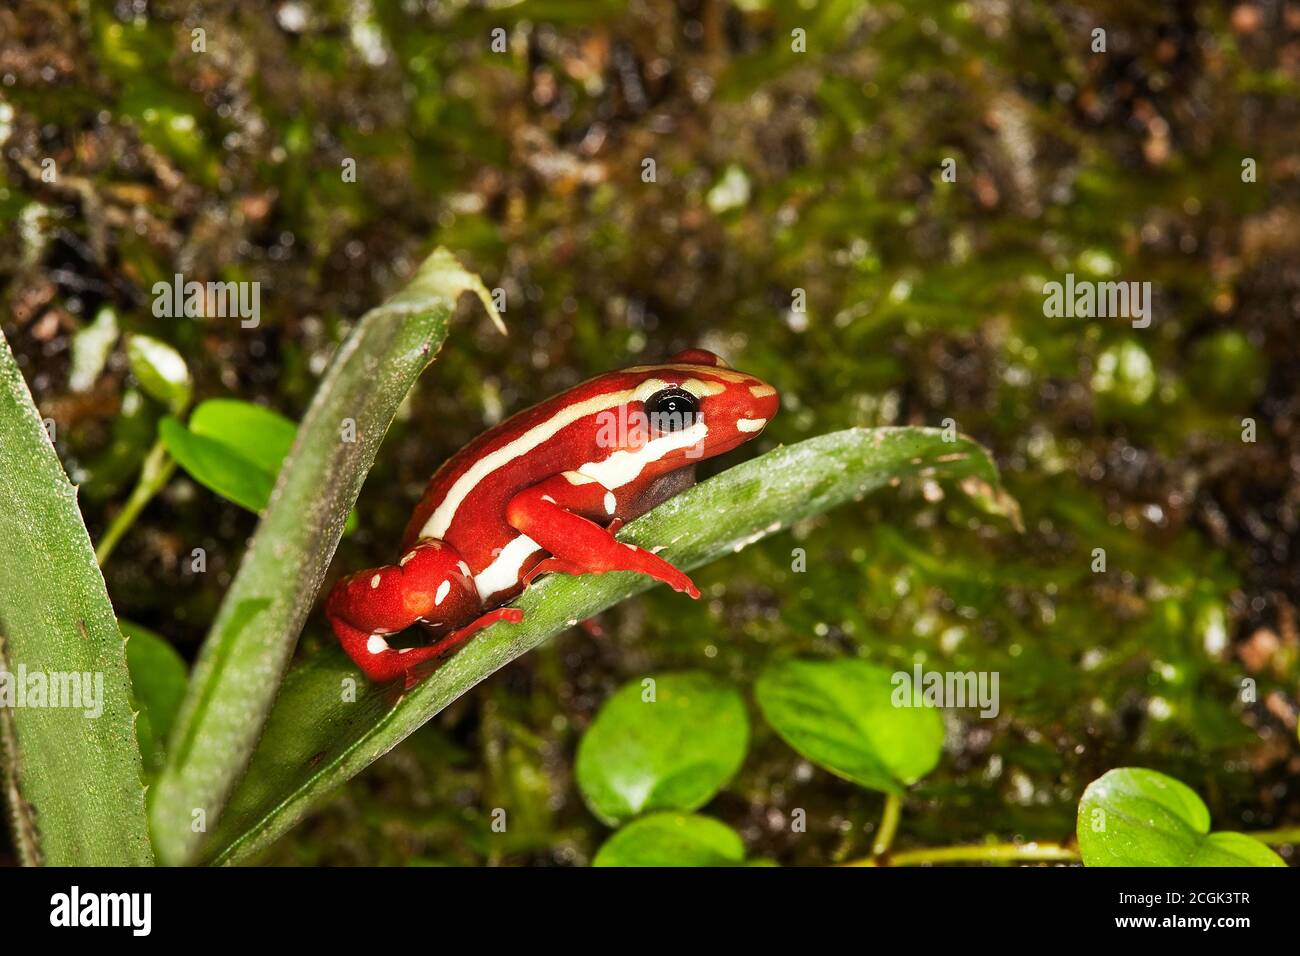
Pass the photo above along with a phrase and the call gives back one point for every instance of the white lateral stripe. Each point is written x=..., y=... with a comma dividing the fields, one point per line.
x=440, y=520
x=759, y=391
x=503, y=572
x=624, y=466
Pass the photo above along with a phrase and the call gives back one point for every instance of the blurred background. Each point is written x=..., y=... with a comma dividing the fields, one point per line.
x=775, y=170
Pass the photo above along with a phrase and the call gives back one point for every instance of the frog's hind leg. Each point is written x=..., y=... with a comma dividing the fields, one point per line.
x=414, y=657
x=559, y=514
x=430, y=585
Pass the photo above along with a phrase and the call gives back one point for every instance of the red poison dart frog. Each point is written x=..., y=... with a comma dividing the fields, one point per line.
x=544, y=492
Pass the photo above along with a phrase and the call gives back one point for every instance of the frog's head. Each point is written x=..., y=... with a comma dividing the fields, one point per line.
x=693, y=406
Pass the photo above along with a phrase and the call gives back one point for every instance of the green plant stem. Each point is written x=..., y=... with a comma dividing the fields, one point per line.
x=888, y=825
x=154, y=474
x=1283, y=837
x=1005, y=852
x=986, y=853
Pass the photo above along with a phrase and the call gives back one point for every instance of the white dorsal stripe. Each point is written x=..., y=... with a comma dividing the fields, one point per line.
x=440, y=520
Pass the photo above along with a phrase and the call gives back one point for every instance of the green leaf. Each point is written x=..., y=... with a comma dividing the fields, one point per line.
x=217, y=466
x=845, y=716
x=671, y=749
x=235, y=449
x=255, y=433
x=158, y=678
x=1137, y=817
x=318, y=736
x=72, y=777
x=161, y=371
x=238, y=673
x=672, y=839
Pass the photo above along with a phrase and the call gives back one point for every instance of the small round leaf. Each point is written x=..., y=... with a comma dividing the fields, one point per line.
x=1137, y=817
x=669, y=746
x=672, y=839
x=845, y=716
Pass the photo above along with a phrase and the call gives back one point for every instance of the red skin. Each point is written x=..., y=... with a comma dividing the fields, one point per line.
x=524, y=489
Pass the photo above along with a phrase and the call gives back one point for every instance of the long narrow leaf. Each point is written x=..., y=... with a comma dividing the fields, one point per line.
x=329, y=723
x=72, y=767
x=243, y=660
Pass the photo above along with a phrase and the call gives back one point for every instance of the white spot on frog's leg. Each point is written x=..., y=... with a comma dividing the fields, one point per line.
x=548, y=498
x=464, y=568
x=577, y=478
x=610, y=503
x=374, y=581
x=441, y=596
x=406, y=557
x=503, y=572
x=750, y=424
x=376, y=644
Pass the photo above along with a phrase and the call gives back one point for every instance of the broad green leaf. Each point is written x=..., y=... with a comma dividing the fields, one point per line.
x=217, y=466
x=158, y=678
x=72, y=773
x=239, y=670
x=161, y=371
x=672, y=839
x=849, y=717
x=1137, y=817
x=669, y=748
x=317, y=737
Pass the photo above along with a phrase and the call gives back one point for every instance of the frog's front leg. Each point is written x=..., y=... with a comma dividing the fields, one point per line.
x=560, y=514
x=430, y=585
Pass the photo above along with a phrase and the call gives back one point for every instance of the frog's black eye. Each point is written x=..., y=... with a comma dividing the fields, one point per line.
x=672, y=409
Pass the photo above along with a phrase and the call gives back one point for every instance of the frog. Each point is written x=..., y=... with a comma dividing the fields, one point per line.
x=545, y=492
